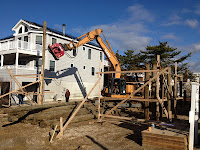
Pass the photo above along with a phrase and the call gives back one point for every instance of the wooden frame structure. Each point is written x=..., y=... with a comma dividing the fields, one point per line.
x=21, y=89
x=157, y=73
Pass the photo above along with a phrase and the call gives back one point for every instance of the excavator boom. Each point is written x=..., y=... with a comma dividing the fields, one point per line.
x=57, y=50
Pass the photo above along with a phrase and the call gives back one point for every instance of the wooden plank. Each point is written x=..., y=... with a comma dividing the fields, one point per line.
x=175, y=91
x=78, y=108
x=19, y=85
x=9, y=100
x=169, y=94
x=19, y=89
x=134, y=92
x=116, y=117
x=21, y=75
x=53, y=133
x=131, y=71
x=146, y=94
x=99, y=100
x=157, y=89
x=61, y=126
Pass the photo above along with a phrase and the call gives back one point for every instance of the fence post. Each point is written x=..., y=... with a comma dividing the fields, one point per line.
x=194, y=115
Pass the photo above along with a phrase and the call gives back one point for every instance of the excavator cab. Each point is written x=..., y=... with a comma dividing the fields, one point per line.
x=117, y=86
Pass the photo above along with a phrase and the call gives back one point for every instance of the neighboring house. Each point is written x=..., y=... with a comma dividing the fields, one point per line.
x=23, y=52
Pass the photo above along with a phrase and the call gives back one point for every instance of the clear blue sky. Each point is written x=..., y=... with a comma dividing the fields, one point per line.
x=127, y=24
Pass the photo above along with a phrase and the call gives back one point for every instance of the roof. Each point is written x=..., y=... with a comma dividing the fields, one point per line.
x=59, y=32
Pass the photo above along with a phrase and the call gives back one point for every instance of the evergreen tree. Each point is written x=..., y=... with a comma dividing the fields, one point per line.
x=168, y=57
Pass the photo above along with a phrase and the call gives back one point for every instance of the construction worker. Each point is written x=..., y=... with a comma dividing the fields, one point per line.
x=67, y=94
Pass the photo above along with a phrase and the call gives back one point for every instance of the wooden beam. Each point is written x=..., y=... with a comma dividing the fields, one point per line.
x=19, y=85
x=9, y=100
x=175, y=90
x=153, y=93
x=78, y=108
x=132, y=71
x=41, y=95
x=54, y=131
x=21, y=75
x=169, y=94
x=157, y=89
x=116, y=117
x=146, y=94
x=19, y=89
x=99, y=100
x=61, y=126
x=134, y=92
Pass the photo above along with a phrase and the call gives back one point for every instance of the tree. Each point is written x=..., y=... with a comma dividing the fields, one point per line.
x=168, y=56
x=130, y=61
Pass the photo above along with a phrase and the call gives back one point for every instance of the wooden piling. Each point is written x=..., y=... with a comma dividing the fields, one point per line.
x=157, y=89
x=175, y=90
x=61, y=126
x=169, y=93
x=41, y=95
x=154, y=92
x=146, y=93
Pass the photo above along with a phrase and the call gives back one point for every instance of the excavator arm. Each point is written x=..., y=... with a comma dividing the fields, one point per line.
x=57, y=50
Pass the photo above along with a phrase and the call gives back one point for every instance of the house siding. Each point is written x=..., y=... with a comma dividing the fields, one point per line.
x=78, y=80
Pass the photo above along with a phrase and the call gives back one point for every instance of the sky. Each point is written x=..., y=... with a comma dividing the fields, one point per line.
x=126, y=24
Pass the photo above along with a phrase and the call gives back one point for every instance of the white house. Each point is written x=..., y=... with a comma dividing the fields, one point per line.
x=23, y=52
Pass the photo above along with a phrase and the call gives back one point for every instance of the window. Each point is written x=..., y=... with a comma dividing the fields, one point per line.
x=26, y=29
x=89, y=53
x=72, y=65
x=54, y=40
x=84, y=48
x=84, y=67
x=20, y=30
x=52, y=65
x=101, y=56
x=93, y=70
x=38, y=40
x=38, y=62
x=26, y=38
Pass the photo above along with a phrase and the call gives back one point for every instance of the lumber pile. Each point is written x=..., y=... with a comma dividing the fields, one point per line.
x=168, y=139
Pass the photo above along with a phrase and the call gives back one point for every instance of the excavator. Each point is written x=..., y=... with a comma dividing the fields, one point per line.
x=117, y=87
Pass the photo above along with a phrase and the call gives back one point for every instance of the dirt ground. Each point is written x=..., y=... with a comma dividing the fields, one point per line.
x=30, y=127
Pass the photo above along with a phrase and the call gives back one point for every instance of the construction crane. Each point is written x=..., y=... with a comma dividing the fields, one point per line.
x=117, y=87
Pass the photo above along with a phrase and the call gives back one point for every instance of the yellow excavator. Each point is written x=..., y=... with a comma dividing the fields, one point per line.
x=117, y=87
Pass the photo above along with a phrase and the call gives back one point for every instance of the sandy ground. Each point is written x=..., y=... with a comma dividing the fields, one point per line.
x=31, y=127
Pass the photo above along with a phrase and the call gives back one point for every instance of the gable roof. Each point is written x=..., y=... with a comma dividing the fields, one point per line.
x=58, y=32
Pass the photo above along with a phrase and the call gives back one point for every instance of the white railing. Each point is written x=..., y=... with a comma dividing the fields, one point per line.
x=20, y=67
x=21, y=45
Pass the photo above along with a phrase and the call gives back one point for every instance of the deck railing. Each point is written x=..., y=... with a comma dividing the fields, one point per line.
x=21, y=45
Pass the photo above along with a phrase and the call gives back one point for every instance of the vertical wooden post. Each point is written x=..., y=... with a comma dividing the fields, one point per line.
x=61, y=126
x=41, y=95
x=154, y=92
x=157, y=89
x=99, y=100
x=77, y=109
x=146, y=94
x=184, y=96
x=9, y=100
x=168, y=94
x=175, y=90
x=161, y=93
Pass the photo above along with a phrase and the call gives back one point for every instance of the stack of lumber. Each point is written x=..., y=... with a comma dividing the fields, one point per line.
x=168, y=139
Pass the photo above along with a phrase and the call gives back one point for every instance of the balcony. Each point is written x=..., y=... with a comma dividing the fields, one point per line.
x=35, y=49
